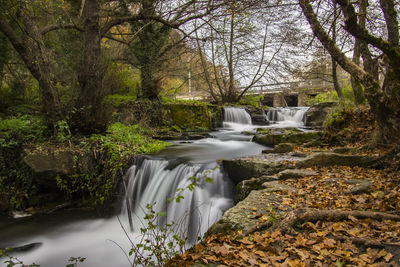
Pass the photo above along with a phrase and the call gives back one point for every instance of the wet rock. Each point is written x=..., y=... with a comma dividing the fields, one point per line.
x=244, y=188
x=316, y=115
x=281, y=148
x=298, y=154
x=259, y=119
x=24, y=248
x=295, y=174
x=331, y=159
x=246, y=168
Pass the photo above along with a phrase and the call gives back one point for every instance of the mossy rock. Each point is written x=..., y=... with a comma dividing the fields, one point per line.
x=244, y=188
x=281, y=148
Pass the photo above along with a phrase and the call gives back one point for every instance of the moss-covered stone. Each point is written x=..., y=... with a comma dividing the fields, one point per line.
x=187, y=116
x=281, y=148
x=244, y=188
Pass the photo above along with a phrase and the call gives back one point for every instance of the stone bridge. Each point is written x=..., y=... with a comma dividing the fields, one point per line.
x=293, y=96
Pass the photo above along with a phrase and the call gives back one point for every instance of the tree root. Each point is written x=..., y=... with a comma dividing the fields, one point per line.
x=366, y=242
x=313, y=215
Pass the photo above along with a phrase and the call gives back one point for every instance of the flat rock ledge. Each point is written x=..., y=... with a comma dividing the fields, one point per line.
x=331, y=159
x=252, y=167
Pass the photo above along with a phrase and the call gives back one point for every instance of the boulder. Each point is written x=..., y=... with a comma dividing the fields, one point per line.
x=241, y=216
x=281, y=148
x=331, y=159
x=295, y=174
x=242, y=169
x=59, y=162
x=316, y=115
x=259, y=119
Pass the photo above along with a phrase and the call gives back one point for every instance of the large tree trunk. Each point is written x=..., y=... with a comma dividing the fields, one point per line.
x=90, y=116
x=33, y=52
x=384, y=107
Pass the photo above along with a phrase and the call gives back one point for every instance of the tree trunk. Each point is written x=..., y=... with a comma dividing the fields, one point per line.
x=336, y=85
x=33, y=52
x=89, y=117
x=150, y=86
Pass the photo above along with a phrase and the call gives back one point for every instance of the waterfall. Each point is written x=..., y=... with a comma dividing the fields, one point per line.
x=292, y=114
x=154, y=183
x=236, y=115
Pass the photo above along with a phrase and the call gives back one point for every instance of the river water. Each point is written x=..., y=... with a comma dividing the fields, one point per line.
x=102, y=241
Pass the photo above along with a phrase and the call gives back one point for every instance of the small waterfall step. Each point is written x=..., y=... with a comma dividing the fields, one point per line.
x=236, y=115
x=293, y=114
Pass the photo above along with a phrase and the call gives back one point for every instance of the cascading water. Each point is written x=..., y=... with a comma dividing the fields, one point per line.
x=234, y=115
x=291, y=117
x=154, y=183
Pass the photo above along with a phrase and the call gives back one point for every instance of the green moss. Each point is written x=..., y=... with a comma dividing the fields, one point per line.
x=117, y=100
x=188, y=116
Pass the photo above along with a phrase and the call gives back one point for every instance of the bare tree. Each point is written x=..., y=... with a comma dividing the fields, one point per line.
x=239, y=49
x=384, y=99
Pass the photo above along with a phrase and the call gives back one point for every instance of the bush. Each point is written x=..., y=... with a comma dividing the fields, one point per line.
x=332, y=96
x=16, y=131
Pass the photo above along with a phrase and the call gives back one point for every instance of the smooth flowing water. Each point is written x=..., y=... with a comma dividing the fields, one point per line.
x=287, y=117
x=102, y=241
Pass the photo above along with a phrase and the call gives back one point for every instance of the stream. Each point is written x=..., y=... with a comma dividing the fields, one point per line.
x=157, y=178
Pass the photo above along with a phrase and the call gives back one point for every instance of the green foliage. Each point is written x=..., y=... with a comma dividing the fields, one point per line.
x=252, y=100
x=120, y=100
x=16, y=131
x=121, y=79
x=16, y=179
x=133, y=137
x=332, y=96
x=167, y=100
x=63, y=131
x=157, y=244
x=340, y=116
x=74, y=261
x=13, y=261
